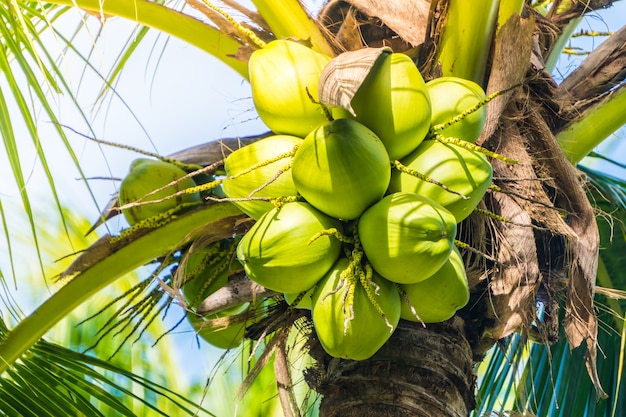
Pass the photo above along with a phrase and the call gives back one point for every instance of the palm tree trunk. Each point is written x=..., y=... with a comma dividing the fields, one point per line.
x=420, y=371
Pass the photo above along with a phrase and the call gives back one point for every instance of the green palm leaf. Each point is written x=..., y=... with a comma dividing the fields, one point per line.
x=22, y=58
x=54, y=380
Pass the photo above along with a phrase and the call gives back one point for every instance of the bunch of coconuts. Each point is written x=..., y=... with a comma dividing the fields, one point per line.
x=357, y=208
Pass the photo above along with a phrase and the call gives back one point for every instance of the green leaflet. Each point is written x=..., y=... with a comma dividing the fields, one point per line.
x=172, y=22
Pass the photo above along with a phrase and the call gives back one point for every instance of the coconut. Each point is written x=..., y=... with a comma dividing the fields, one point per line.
x=451, y=96
x=147, y=175
x=465, y=171
x=393, y=102
x=341, y=168
x=352, y=328
x=203, y=279
x=241, y=186
x=282, y=76
x=305, y=302
x=407, y=237
x=279, y=251
x=440, y=296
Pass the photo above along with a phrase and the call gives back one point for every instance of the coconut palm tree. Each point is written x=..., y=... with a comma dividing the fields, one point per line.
x=531, y=251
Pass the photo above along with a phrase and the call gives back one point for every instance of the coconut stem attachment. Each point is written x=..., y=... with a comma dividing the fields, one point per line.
x=405, y=169
x=472, y=147
x=289, y=154
x=332, y=232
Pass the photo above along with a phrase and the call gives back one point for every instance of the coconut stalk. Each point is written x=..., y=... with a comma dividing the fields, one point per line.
x=468, y=31
x=507, y=9
x=595, y=124
x=287, y=19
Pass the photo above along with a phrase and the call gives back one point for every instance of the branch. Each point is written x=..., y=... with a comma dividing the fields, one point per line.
x=209, y=153
x=239, y=290
x=603, y=70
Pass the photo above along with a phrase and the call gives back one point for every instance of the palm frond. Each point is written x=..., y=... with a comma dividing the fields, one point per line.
x=54, y=380
x=81, y=384
x=26, y=68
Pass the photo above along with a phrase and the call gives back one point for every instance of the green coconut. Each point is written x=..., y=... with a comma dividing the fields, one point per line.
x=393, y=102
x=223, y=336
x=203, y=279
x=147, y=175
x=282, y=75
x=407, y=237
x=341, y=168
x=440, y=296
x=464, y=171
x=352, y=327
x=279, y=251
x=238, y=185
x=451, y=96
x=305, y=302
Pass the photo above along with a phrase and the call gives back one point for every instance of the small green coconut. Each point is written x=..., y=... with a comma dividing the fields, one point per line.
x=147, y=175
x=270, y=180
x=393, y=102
x=465, y=171
x=204, y=277
x=282, y=76
x=280, y=252
x=451, y=96
x=440, y=296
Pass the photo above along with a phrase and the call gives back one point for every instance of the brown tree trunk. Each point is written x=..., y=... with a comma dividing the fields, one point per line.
x=420, y=372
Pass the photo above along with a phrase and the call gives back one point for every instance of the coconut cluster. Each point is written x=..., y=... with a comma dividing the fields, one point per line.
x=357, y=209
